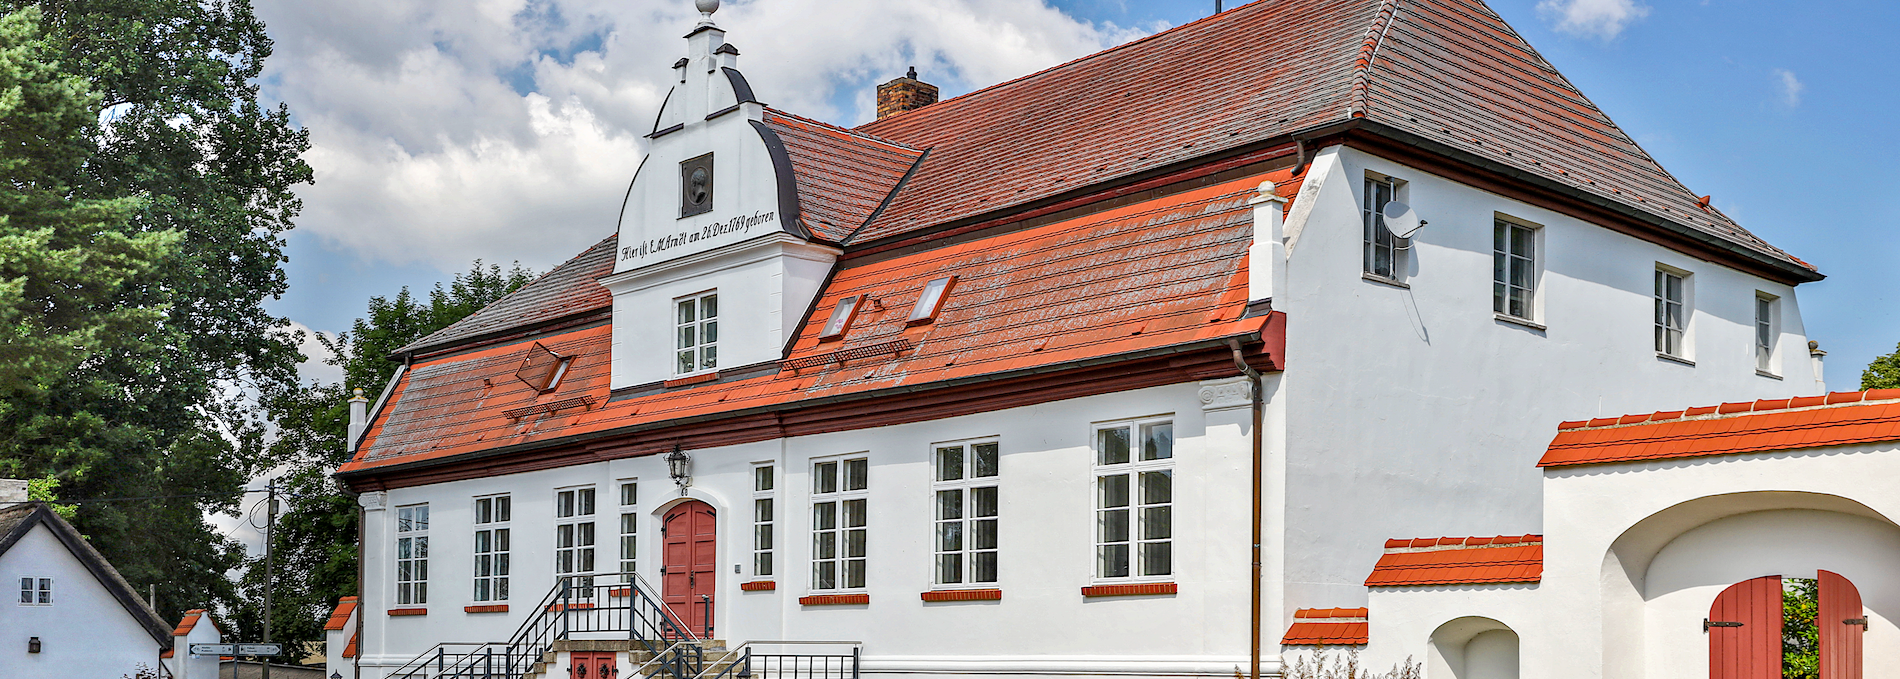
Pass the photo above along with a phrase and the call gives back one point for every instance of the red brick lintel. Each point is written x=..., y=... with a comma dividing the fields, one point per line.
x=963, y=595
x=1137, y=589
x=758, y=586
x=408, y=611
x=834, y=599
x=494, y=608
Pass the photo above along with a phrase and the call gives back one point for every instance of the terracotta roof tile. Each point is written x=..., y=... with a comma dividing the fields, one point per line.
x=564, y=291
x=1071, y=286
x=1327, y=627
x=341, y=616
x=1455, y=561
x=1732, y=428
x=843, y=176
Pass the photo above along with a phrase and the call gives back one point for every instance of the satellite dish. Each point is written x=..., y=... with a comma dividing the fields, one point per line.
x=1401, y=219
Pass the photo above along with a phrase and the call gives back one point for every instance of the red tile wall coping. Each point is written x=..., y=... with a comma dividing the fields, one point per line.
x=963, y=595
x=1330, y=613
x=492, y=608
x=758, y=586
x=398, y=612
x=834, y=599
x=344, y=607
x=349, y=650
x=1327, y=634
x=1137, y=589
x=1488, y=562
x=1838, y=398
x=1433, y=544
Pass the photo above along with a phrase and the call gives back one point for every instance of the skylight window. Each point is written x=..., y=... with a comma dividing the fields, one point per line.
x=841, y=317
x=542, y=369
x=932, y=300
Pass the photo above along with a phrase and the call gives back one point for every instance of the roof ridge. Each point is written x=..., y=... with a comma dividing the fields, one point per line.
x=1087, y=57
x=1836, y=399
x=1403, y=545
x=843, y=130
x=1369, y=51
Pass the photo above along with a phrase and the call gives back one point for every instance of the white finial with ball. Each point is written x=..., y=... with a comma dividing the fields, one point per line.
x=706, y=6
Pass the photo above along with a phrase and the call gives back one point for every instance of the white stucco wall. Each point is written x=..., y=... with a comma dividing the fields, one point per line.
x=1042, y=623
x=187, y=665
x=85, y=633
x=1417, y=413
x=1636, y=553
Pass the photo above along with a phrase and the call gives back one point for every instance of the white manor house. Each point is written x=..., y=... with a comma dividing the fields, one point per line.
x=1187, y=358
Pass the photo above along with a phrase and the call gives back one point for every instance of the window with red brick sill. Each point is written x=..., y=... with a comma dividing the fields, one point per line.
x=965, y=503
x=412, y=555
x=1134, y=491
x=491, y=547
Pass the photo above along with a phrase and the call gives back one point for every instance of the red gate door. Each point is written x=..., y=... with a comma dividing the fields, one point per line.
x=592, y=665
x=1842, y=624
x=691, y=574
x=1744, y=628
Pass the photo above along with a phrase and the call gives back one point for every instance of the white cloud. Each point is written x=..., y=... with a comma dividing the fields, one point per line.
x=446, y=130
x=1604, y=19
x=313, y=366
x=1789, y=86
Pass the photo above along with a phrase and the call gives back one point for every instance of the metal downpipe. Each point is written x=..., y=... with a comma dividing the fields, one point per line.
x=1259, y=415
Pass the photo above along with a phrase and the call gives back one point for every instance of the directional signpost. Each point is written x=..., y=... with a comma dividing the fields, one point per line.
x=238, y=649
x=214, y=649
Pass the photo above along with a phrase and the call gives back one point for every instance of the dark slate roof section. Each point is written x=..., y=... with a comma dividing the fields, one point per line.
x=566, y=291
x=16, y=521
x=1446, y=70
x=842, y=176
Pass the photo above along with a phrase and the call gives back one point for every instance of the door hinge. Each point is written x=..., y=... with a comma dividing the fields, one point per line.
x=1856, y=621
x=1706, y=624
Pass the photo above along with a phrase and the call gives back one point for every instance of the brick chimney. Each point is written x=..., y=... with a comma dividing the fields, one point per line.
x=904, y=94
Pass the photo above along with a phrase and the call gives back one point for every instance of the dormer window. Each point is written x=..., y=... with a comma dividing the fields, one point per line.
x=696, y=186
x=841, y=317
x=932, y=300
x=697, y=331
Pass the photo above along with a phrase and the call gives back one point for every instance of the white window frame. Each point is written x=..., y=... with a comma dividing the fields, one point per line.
x=577, y=536
x=1374, y=236
x=835, y=504
x=957, y=515
x=1767, y=333
x=1682, y=321
x=628, y=493
x=1140, y=514
x=493, y=541
x=36, y=591
x=1508, y=261
x=412, y=533
x=704, y=353
x=764, y=519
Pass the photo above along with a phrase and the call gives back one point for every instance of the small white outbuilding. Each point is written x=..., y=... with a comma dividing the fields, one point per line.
x=73, y=615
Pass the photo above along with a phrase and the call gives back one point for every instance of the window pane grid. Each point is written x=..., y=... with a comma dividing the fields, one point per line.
x=491, y=548
x=1381, y=253
x=763, y=520
x=696, y=333
x=1669, y=313
x=1134, y=501
x=412, y=555
x=1764, y=334
x=839, y=526
x=574, y=537
x=1513, y=269
x=965, y=508
x=629, y=530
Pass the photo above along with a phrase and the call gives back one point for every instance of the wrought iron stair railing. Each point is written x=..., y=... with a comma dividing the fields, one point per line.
x=757, y=660
x=575, y=605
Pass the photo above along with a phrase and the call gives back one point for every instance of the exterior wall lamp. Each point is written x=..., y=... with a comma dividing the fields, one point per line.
x=33, y=645
x=679, y=465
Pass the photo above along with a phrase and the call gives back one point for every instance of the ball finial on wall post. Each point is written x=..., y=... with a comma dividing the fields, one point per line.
x=706, y=6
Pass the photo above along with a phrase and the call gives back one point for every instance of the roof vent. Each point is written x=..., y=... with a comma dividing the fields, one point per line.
x=904, y=94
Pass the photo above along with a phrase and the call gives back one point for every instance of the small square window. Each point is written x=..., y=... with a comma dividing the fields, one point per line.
x=931, y=301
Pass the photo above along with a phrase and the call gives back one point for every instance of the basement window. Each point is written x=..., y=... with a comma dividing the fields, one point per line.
x=841, y=317
x=931, y=301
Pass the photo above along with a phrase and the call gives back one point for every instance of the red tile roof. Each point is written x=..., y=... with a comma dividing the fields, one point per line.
x=843, y=176
x=1837, y=419
x=562, y=292
x=1327, y=627
x=341, y=616
x=349, y=650
x=1141, y=277
x=1449, y=71
x=1457, y=561
x=185, y=626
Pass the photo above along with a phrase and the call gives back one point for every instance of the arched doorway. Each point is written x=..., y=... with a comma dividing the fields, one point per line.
x=1473, y=648
x=689, y=563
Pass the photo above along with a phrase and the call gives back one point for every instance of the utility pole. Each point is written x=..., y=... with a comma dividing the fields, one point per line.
x=270, y=522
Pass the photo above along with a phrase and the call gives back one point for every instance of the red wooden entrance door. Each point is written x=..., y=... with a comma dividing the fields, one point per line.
x=592, y=665
x=1842, y=624
x=1744, y=629
x=690, y=551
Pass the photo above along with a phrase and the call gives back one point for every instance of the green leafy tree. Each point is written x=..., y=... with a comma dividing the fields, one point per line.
x=1800, y=633
x=1883, y=373
x=175, y=189
x=315, y=542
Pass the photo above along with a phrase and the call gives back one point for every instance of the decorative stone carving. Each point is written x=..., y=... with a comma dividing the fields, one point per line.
x=373, y=500
x=1233, y=392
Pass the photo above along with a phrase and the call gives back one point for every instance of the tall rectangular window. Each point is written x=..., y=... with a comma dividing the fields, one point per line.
x=491, y=547
x=696, y=326
x=963, y=484
x=36, y=591
x=1134, y=491
x=629, y=529
x=1513, y=269
x=1381, y=250
x=1764, y=333
x=412, y=555
x=762, y=519
x=574, y=536
x=1671, y=319
x=838, y=523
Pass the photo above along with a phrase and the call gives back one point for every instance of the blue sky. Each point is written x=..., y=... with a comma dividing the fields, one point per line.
x=444, y=134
